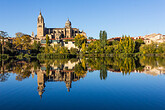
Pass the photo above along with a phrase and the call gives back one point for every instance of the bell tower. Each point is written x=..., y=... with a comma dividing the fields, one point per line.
x=68, y=28
x=40, y=26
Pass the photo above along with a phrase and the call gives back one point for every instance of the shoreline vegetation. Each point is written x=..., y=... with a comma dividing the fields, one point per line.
x=23, y=47
x=124, y=65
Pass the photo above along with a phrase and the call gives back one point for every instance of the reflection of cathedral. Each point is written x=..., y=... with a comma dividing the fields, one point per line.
x=65, y=71
x=56, y=74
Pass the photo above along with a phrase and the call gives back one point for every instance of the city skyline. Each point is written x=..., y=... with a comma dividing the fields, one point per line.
x=134, y=18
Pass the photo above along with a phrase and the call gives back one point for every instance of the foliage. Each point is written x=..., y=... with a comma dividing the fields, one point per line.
x=47, y=40
x=94, y=47
x=2, y=36
x=19, y=34
x=160, y=48
x=109, y=49
x=54, y=56
x=103, y=39
x=84, y=48
x=125, y=45
x=79, y=40
x=80, y=70
x=22, y=43
x=148, y=49
x=90, y=38
x=46, y=49
x=36, y=46
x=73, y=50
x=138, y=43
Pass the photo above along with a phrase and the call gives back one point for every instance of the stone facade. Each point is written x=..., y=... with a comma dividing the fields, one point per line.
x=56, y=33
x=156, y=38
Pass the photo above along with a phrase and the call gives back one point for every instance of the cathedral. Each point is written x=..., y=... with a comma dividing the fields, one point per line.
x=56, y=33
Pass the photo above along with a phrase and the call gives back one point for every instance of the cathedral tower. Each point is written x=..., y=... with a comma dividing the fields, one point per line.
x=68, y=29
x=40, y=26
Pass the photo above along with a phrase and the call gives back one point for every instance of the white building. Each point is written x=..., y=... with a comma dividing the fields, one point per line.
x=156, y=38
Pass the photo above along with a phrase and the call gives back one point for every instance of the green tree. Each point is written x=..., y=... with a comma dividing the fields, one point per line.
x=138, y=43
x=149, y=48
x=103, y=39
x=47, y=40
x=73, y=50
x=103, y=71
x=83, y=48
x=160, y=48
x=46, y=49
x=64, y=50
x=126, y=45
x=22, y=43
x=90, y=38
x=2, y=36
x=94, y=47
x=19, y=34
x=109, y=49
x=25, y=39
x=47, y=44
x=80, y=70
x=79, y=40
x=36, y=46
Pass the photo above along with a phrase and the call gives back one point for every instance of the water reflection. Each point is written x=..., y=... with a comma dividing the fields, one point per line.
x=72, y=70
x=66, y=71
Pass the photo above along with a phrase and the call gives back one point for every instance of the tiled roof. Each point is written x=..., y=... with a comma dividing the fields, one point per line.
x=67, y=38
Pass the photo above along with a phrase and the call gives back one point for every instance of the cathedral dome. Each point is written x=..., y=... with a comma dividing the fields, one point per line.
x=68, y=23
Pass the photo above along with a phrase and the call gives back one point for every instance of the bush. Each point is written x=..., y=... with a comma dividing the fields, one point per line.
x=54, y=56
x=73, y=50
x=20, y=56
x=4, y=56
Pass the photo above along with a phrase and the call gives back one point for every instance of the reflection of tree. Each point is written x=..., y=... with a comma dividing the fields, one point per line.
x=4, y=77
x=99, y=64
x=148, y=61
x=36, y=65
x=80, y=70
x=22, y=70
x=126, y=65
x=152, y=61
x=103, y=72
x=47, y=68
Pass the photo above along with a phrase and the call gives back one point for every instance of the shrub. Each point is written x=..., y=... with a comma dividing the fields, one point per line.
x=73, y=50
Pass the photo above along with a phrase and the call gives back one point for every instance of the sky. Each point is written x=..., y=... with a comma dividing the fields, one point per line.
x=116, y=17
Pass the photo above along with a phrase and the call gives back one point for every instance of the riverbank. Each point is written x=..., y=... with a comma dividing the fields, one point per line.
x=66, y=56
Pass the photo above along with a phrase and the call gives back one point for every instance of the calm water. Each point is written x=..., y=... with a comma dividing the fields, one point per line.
x=114, y=83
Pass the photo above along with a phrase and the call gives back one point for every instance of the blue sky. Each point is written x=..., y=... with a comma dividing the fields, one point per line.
x=117, y=17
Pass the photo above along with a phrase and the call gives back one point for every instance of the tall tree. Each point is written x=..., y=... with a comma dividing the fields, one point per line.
x=26, y=42
x=47, y=40
x=79, y=40
x=22, y=42
x=2, y=36
x=103, y=39
x=138, y=43
x=90, y=38
x=19, y=34
x=47, y=44
x=83, y=48
x=36, y=47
